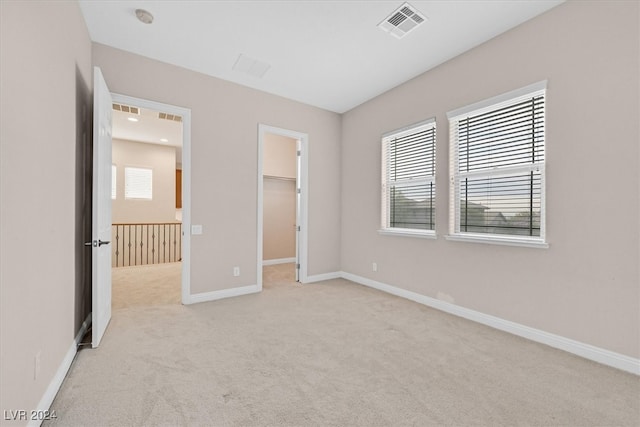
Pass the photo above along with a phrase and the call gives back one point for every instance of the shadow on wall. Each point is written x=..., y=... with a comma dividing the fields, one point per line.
x=83, y=200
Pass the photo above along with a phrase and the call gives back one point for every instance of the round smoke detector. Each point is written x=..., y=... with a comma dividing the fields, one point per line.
x=144, y=16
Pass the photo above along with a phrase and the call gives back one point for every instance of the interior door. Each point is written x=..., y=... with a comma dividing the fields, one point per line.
x=298, y=200
x=101, y=221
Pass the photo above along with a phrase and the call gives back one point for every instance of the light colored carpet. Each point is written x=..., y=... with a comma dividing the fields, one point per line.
x=146, y=285
x=330, y=354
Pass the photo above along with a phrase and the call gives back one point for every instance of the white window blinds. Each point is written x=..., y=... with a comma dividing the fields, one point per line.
x=497, y=168
x=138, y=183
x=113, y=182
x=408, y=178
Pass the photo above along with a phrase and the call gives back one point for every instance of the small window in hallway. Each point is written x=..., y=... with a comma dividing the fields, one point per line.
x=138, y=183
x=113, y=182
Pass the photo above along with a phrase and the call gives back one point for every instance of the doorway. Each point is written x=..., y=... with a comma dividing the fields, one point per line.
x=282, y=200
x=151, y=213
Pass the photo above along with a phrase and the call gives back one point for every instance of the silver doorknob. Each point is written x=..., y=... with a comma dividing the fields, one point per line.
x=97, y=243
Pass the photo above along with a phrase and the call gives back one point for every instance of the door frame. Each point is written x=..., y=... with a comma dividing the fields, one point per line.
x=185, y=113
x=301, y=249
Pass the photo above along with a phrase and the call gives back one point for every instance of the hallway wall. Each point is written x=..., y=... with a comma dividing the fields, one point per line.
x=161, y=159
x=45, y=129
x=224, y=165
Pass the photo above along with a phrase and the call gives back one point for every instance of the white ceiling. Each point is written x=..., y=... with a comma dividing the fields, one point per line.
x=325, y=53
x=148, y=128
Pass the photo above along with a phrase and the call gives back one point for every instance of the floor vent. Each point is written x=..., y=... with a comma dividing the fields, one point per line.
x=172, y=117
x=126, y=109
x=402, y=21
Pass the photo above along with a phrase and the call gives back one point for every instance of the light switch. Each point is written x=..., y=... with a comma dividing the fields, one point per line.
x=196, y=229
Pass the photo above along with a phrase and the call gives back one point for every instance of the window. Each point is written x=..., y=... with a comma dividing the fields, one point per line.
x=408, y=180
x=497, y=168
x=138, y=183
x=113, y=182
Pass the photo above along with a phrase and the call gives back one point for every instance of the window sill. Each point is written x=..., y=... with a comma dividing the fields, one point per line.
x=495, y=240
x=407, y=232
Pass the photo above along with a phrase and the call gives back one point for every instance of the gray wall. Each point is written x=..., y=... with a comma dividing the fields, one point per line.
x=224, y=152
x=279, y=203
x=586, y=285
x=279, y=197
x=45, y=126
x=161, y=159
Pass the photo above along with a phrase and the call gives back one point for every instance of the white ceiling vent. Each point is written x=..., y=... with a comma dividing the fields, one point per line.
x=172, y=117
x=402, y=21
x=126, y=109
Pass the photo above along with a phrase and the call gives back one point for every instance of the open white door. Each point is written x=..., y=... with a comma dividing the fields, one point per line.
x=298, y=205
x=101, y=222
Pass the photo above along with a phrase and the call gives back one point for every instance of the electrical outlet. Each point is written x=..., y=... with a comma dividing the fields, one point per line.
x=236, y=271
x=374, y=266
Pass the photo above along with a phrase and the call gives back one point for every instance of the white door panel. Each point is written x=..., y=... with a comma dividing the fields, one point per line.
x=298, y=200
x=101, y=224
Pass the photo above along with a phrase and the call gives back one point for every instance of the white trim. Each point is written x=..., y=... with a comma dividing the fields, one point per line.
x=409, y=128
x=498, y=240
x=224, y=293
x=278, y=261
x=260, y=207
x=456, y=176
x=498, y=99
x=408, y=232
x=388, y=182
x=503, y=171
x=323, y=277
x=185, y=113
x=587, y=351
x=301, y=251
x=61, y=373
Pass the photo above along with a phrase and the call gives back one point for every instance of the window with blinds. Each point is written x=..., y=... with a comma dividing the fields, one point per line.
x=138, y=183
x=408, y=179
x=113, y=182
x=497, y=166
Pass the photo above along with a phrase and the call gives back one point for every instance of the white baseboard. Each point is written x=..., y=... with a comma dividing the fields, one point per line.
x=278, y=261
x=61, y=373
x=600, y=355
x=224, y=293
x=321, y=277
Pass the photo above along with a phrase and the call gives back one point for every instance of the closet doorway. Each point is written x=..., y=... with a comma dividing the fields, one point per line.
x=282, y=200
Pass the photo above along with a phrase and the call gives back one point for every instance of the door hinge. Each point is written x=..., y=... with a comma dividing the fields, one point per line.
x=298, y=266
x=298, y=153
x=299, y=191
x=298, y=228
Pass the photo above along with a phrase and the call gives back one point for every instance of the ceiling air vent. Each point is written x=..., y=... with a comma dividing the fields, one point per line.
x=402, y=21
x=172, y=117
x=251, y=66
x=126, y=109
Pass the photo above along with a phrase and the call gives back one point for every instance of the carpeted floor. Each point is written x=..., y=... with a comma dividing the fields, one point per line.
x=146, y=285
x=329, y=354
